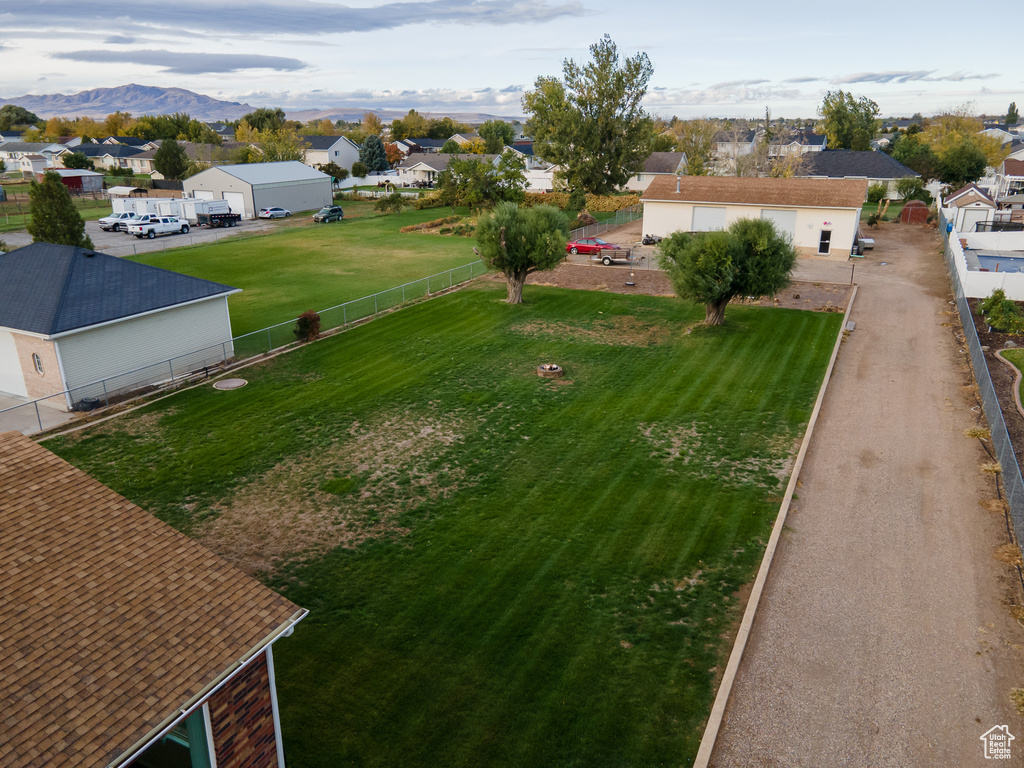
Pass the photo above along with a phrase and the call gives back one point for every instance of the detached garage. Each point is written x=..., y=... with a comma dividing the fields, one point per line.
x=821, y=215
x=78, y=324
x=252, y=186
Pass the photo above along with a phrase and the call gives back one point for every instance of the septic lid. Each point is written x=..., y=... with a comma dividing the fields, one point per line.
x=230, y=383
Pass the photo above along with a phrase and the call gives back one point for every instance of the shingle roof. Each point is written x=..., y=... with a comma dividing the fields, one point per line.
x=849, y=163
x=99, y=150
x=438, y=161
x=429, y=143
x=816, y=193
x=267, y=173
x=969, y=191
x=323, y=142
x=663, y=162
x=130, y=141
x=110, y=620
x=49, y=289
x=1013, y=167
x=29, y=146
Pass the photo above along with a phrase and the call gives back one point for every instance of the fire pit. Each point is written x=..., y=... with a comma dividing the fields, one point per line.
x=549, y=370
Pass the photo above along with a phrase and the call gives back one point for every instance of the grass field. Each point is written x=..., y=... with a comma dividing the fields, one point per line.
x=313, y=266
x=14, y=214
x=501, y=569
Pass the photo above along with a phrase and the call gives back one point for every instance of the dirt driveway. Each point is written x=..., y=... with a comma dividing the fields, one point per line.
x=885, y=635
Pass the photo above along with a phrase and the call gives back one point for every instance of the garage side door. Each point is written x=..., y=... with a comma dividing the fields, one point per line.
x=784, y=220
x=972, y=216
x=707, y=218
x=237, y=202
x=12, y=381
x=203, y=194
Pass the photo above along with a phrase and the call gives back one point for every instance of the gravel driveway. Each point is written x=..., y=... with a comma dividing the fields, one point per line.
x=884, y=635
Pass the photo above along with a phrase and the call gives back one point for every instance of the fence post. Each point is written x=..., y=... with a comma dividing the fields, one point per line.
x=170, y=366
x=403, y=294
x=344, y=315
x=375, y=303
x=38, y=417
x=428, y=286
x=270, y=344
x=106, y=397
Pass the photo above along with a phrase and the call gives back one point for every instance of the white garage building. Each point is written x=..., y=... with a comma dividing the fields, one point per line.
x=76, y=323
x=251, y=186
x=821, y=215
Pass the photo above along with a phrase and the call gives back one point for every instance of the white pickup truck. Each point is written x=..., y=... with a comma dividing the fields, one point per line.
x=158, y=225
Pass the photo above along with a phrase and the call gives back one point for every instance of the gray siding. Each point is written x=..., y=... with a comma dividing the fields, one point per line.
x=194, y=335
x=295, y=196
x=217, y=182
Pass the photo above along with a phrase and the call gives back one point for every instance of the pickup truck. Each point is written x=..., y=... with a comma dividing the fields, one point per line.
x=158, y=225
x=118, y=221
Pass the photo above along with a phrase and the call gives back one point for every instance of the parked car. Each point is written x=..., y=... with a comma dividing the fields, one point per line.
x=273, y=213
x=590, y=245
x=329, y=213
x=117, y=221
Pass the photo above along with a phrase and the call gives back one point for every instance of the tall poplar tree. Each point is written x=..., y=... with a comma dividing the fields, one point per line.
x=54, y=216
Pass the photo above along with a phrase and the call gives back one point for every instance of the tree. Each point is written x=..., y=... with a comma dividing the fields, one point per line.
x=962, y=164
x=412, y=126
x=393, y=154
x=78, y=160
x=750, y=258
x=445, y=127
x=497, y=134
x=283, y=144
x=520, y=241
x=591, y=123
x=372, y=154
x=12, y=115
x=451, y=147
x=372, y=126
x=846, y=120
x=959, y=126
x=54, y=216
x=913, y=152
x=359, y=170
x=170, y=161
x=912, y=188
x=392, y=203
x=696, y=138
x=1012, y=115
x=480, y=184
x=334, y=170
x=265, y=119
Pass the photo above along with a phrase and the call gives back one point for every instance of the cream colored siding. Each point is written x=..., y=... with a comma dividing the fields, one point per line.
x=117, y=351
x=783, y=219
x=708, y=218
x=12, y=381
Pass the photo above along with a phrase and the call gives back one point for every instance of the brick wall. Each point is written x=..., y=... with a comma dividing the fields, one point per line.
x=242, y=719
x=49, y=382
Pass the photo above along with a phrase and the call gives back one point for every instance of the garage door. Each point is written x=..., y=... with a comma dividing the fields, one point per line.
x=971, y=217
x=12, y=382
x=203, y=194
x=784, y=221
x=237, y=202
x=706, y=218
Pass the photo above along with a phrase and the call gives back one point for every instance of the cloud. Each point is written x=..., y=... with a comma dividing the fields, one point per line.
x=803, y=80
x=501, y=100
x=736, y=83
x=186, y=63
x=722, y=94
x=119, y=40
x=301, y=17
x=908, y=76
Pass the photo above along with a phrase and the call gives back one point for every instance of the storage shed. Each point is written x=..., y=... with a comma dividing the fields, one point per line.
x=78, y=324
x=914, y=212
x=251, y=186
x=821, y=215
x=77, y=180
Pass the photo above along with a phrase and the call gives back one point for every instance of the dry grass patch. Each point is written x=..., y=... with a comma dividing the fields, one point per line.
x=351, y=492
x=1009, y=554
x=621, y=330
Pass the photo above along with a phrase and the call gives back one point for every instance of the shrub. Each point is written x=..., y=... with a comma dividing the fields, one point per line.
x=873, y=220
x=359, y=170
x=1001, y=314
x=429, y=200
x=431, y=224
x=577, y=200
x=393, y=203
x=307, y=326
x=594, y=203
x=877, y=192
x=583, y=220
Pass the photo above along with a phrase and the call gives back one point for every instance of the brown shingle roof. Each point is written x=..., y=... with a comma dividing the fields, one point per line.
x=1013, y=167
x=110, y=620
x=818, y=193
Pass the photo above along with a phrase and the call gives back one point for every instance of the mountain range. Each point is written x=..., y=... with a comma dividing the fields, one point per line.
x=151, y=100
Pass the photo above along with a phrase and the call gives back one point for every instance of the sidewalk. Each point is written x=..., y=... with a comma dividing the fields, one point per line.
x=882, y=637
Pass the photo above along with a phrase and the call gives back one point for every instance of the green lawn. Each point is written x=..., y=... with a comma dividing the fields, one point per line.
x=306, y=266
x=895, y=208
x=14, y=214
x=501, y=570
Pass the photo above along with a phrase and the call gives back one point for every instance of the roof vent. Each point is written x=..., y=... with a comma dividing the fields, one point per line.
x=88, y=254
x=678, y=179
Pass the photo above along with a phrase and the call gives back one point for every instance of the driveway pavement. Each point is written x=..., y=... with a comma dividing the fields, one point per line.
x=884, y=637
x=17, y=414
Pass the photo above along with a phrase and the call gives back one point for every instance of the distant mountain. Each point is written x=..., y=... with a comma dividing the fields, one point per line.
x=136, y=99
x=150, y=100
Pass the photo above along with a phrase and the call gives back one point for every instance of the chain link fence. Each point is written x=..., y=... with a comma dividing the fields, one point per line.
x=46, y=412
x=1002, y=447
x=622, y=216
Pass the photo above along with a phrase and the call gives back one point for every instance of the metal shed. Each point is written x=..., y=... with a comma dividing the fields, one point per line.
x=251, y=186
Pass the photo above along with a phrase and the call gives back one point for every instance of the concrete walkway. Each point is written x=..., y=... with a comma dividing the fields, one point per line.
x=883, y=636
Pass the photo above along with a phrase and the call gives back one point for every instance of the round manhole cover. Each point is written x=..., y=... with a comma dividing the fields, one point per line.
x=230, y=383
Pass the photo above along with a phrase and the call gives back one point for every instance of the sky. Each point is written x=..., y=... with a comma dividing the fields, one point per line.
x=710, y=59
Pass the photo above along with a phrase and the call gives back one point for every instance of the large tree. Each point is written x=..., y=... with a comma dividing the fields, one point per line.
x=54, y=216
x=78, y=160
x=265, y=119
x=849, y=122
x=170, y=161
x=696, y=138
x=961, y=164
x=1012, y=115
x=497, y=134
x=591, y=122
x=12, y=115
x=481, y=184
x=412, y=126
x=911, y=150
x=957, y=127
x=519, y=241
x=373, y=155
x=750, y=258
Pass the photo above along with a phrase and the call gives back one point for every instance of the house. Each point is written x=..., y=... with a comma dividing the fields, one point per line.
x=339, y=150
x=131, y=141
x=425, y=168
x=425, y=145
x=226, y=132
x=799, y=143
x=657, y=164
x=11, y=152
x=821, y=215
x=211, y=154
x=78, y=324
x=32, y=165
x=1009, y=178
x=123, y=642
x=462, y=139
x=77, y=181
x=10, y=136
x=251, y=186
x=876, y=167
x=970, y=205
x=105, y=155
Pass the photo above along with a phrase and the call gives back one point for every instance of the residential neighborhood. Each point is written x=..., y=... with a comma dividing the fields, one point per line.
x=579, y=430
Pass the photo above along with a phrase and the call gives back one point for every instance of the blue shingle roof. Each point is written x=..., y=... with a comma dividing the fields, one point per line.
x=49, y=289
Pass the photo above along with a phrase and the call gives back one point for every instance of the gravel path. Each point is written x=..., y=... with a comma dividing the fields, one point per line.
x=884, y=635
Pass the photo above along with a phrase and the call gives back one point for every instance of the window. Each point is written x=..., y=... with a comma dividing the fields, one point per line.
x=37, y=361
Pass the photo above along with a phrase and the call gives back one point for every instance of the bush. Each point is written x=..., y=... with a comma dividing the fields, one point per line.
x=583, y=220
x=431, y=224
x=1001, y=314
x=120, y=172
x=393, y=203
x=577, y=200
x=429, y=200
x=873, y=220
x=359, y=170
x=594, y=203
x=307, y=326
x=876, y=193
